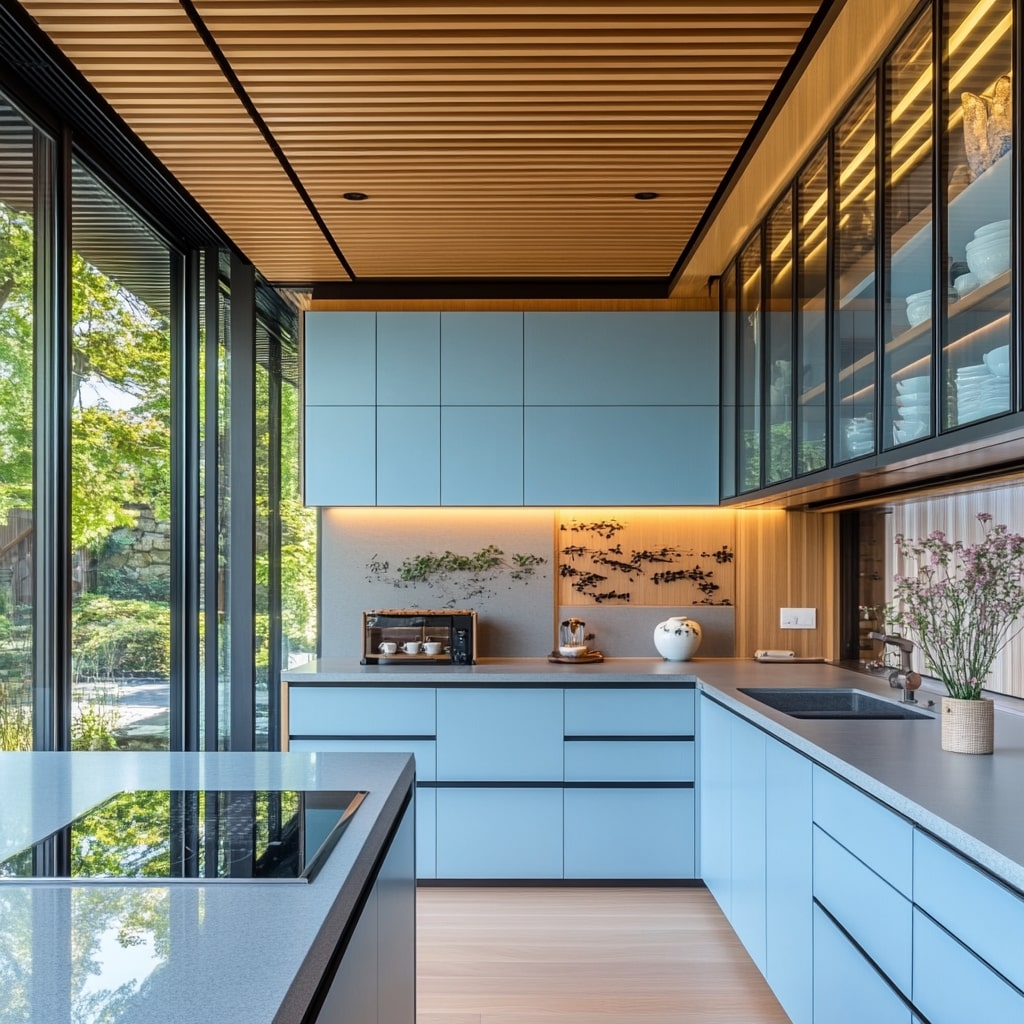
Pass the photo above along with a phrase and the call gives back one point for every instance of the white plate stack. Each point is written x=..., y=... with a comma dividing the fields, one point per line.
x=913, y=409
x=860, y=435
x=984, y=389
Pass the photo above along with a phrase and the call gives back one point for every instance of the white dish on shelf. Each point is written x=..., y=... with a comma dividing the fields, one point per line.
x=915, y=412
x=994, y=227
x=965, y=284
x=974, y=370
x=998, y=361
x=908, y=430
x=919, y=313
x=914, y=385
x=990, y=260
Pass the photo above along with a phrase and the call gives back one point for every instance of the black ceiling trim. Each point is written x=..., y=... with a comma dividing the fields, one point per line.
x=494, y=288
x=812, y=39
x=257, y=119
x=44, y=82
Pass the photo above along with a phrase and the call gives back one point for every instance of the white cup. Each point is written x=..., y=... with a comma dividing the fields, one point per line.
x=433, y=647
x=388, y=648
x=411, y=647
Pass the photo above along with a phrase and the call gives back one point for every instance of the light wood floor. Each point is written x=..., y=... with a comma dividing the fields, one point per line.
x=583, y=956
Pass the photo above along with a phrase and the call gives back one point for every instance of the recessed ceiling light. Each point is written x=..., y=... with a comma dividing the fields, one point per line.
x=645, y=195
x=355, y=197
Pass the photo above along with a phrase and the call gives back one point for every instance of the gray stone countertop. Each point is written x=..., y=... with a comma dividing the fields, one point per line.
x=973, y=802
x=236, y=952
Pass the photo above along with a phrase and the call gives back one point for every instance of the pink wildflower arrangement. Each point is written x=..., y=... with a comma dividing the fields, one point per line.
x=960, y=603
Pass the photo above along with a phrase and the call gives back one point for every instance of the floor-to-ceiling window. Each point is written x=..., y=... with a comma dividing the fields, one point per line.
x=120, y=473
x=17, y=346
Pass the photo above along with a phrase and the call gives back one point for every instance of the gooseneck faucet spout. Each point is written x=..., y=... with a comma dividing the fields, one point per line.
x=910, y=680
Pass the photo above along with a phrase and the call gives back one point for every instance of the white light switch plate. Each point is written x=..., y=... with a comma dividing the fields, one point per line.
x=797, y=618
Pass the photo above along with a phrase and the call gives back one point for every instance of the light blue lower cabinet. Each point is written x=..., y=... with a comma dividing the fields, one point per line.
x=788, y=920
x=876, y=916
x=627, y=832
x=426, y=832
x=951, y=985
x=715, y=757
x=499, y=832
x=635, y=760
x=847, y=987
x=748, y=838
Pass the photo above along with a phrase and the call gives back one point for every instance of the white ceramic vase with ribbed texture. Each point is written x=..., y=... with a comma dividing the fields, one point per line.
x=677, y=638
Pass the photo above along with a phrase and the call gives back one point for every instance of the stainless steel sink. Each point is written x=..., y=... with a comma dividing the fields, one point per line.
x=819, y=702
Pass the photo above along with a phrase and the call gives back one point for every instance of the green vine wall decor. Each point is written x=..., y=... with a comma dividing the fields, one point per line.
x=459, y=580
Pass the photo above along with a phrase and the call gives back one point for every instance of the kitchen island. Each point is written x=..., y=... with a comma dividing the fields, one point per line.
x=281, y=950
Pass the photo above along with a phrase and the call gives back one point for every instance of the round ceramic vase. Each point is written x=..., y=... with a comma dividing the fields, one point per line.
x=677, y=638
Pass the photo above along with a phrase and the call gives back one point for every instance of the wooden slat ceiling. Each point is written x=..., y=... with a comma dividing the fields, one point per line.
x=493, y=140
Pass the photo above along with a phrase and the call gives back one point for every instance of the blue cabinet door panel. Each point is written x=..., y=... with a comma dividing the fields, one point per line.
x=629, y=761
x=621, y=358
x=878, y=836
x=748, y=838
x=499, y=833
x=951, y=985
x=847, y=988
x=978, y=910
x=629, y=833
x=409, y=358
x=788, y=921
x=361, y=710
x=408, y=455
x=482, y=358
x=715, y=782
x=340, y=455
x=426, y=832
x=422, y=750
x=340, y=359
x=482, y=455
x=872, y=911
x=629, y=712
x=499, y=735
x=625, y=464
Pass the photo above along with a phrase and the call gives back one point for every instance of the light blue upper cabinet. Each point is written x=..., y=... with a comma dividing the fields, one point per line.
x=482, y=359
x=408, y=455
x=408, y=359
x=340, y=359
x=621, y=455
x=340, y=455
x=481, y=455
x=640, y=358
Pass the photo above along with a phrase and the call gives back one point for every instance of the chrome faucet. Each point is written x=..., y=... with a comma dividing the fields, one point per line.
x=910, y=680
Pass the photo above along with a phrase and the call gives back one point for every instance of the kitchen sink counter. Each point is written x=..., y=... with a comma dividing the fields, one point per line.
x=974, y=802
x=183, y=950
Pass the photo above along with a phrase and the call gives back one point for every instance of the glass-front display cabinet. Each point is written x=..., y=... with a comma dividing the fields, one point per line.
x=874, y=308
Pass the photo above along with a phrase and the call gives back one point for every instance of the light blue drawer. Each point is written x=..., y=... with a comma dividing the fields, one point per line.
x=879, y=837
x=984, y=914
x=422, y=750
x=847, y=989
x=951, y=985
x=872, y=911
x=629, y=712
x=354, y=711
x=499, y=833
x=629, y=833
x=629, y=761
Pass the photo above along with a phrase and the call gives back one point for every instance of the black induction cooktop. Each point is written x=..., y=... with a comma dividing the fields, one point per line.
x=202, y=835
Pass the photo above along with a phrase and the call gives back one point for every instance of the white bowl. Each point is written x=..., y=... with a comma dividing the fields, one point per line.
x=572, y=652
x=974, y=370
x=925, y=296
x=998, y=361
x=919, y=312
x=965, y=283
x=995, y=226
x=908, y=430
x=989, y=262
x=914, y=385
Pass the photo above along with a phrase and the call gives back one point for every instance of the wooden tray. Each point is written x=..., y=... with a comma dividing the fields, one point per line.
x=589, y=658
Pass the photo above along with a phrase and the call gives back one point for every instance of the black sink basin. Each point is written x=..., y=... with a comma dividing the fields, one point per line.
x=816, y=702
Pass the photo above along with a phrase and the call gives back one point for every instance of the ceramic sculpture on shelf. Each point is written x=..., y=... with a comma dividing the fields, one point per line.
x=677, y=638
x=988, y=125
